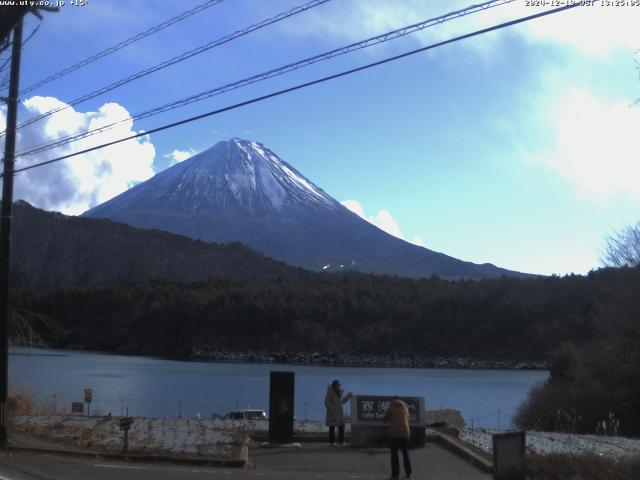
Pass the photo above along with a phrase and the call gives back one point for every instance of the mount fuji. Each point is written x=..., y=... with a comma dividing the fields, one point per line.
x=240, y=191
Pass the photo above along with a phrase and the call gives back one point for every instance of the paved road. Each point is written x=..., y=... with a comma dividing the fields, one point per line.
x=312, y=461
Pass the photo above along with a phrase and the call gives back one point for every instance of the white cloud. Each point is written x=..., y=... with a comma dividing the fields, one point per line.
x=595, y=30
x=595, y=146
x=178, y=156
x=79, y=183
x=417, y=240
x=383, y=220
x=360, y=19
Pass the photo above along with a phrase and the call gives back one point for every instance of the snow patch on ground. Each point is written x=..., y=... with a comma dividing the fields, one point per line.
x=552, y=442
x=299, y=426
x=223, y=439
x=150, y=435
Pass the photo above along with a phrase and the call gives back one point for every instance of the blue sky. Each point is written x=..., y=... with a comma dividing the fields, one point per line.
x=517, y=148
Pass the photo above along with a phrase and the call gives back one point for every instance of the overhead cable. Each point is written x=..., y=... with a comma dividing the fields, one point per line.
x=304, y=85
x=121, y=45
x=385, y=37
x=5, y=80
x=177, y=59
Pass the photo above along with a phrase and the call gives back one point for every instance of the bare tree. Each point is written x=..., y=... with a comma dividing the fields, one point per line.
x=28, y=326
x=622, y=249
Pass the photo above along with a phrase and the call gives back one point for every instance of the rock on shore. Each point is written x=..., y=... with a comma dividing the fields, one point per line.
x=336, y=359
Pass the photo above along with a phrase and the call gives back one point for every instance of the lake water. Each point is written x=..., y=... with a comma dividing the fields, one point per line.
x=159, y=387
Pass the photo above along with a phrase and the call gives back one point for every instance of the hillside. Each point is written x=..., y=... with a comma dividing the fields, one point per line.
x=54, y=250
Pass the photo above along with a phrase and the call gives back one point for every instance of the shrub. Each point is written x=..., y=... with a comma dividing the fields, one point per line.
x=593, y=390
x=19, y=404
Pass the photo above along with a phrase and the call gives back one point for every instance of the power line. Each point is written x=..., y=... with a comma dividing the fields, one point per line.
x=4, y=64
x=6, y=45
x=121, y=45
x=30, y=36
x=5, y=81
x=385, y=37
x=179, y=58
x=306, y=84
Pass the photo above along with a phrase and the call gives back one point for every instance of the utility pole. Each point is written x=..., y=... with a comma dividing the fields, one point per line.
x=12, y=16
x=5, y=225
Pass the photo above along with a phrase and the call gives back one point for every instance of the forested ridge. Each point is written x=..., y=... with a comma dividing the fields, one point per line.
x=506, y=318
x=593, y=386
x=54, y=250
x=586, y=327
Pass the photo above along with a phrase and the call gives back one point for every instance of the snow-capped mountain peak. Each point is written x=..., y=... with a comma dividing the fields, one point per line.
x=239, y=190
x=287, y=177
x=244, y=173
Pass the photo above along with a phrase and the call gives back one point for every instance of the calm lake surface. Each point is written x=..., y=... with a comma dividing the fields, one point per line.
x=159, y=387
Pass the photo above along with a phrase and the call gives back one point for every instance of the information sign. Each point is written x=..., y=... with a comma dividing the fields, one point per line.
x=370, y=409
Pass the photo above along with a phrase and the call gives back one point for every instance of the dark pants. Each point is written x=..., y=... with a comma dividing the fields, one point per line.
x=403, y=444
x=332, y=433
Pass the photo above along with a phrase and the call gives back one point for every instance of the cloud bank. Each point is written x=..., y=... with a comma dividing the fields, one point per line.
x=594, y=30
x=178, y=156
x=383, y=220
x=595, y=146
x=77, y=184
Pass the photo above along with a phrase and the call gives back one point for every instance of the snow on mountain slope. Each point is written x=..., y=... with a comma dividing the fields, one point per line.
x=239, y=190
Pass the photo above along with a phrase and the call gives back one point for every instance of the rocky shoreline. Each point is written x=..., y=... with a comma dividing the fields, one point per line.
x=334, y=359
x=329, y=359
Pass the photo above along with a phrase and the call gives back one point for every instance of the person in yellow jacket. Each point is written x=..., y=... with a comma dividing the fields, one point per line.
x=397, y=416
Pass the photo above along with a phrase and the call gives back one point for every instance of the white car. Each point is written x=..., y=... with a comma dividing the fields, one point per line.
x=246, y=415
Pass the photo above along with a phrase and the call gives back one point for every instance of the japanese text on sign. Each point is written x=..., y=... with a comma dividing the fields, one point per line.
x=371, y=408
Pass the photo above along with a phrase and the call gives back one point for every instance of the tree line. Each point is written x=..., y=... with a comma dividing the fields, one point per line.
x=587, y=327
x=593, y=387
x=506, y=318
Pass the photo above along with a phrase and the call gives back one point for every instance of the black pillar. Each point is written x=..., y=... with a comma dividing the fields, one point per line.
x=281, y=403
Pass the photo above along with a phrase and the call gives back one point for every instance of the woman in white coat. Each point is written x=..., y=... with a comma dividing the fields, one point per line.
x=333, y=401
